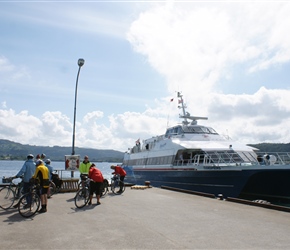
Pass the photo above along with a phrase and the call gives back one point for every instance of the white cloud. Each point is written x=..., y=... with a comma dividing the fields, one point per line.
x=264, y=116
x=11, y=73
x=261, y=117
x=5, y=65
x=20, y=127
x=193, y=45
x=4, y=105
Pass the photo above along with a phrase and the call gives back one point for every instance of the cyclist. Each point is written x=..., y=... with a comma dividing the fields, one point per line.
x=27, y=171
x=96, y=183
x=42, y=174
x=50, y=169
x=84, y=168
x=42, y=157
x=120, y=171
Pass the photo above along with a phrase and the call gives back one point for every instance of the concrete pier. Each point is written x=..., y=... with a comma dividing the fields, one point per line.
x=150, y=218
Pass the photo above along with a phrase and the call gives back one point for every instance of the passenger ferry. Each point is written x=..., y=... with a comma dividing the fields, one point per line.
x=194, y=157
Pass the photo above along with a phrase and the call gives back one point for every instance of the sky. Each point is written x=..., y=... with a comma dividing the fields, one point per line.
x=229, y=59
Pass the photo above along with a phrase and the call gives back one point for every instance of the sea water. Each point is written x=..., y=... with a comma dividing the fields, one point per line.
x=11, y=168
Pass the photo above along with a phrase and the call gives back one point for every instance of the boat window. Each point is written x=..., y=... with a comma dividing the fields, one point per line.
x=248, y=156
x=191, y=129
x=224, y=157
x=162, y=160
x=199, y=130
x=173, y=131
x=205, y=130
x=211, y=130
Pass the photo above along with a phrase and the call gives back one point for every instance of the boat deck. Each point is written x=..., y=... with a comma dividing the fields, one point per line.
x=150, y=218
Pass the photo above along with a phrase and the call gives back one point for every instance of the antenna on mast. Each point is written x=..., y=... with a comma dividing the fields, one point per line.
x=187, y=115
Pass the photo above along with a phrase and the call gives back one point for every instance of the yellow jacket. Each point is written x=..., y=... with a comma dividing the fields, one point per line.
x=42, y=174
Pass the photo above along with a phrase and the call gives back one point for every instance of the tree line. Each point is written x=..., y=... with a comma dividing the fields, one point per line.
x=10, y=150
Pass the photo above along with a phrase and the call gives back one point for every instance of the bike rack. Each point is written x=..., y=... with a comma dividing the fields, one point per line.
x=70, y=185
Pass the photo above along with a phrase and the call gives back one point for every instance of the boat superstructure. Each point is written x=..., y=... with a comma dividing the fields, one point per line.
x=195, y=157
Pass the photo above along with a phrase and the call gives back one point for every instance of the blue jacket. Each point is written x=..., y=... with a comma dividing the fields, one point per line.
x=27, y=169
x=50, y=169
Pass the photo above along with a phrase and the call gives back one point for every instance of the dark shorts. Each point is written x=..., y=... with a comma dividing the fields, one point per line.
x=96, y=187
x=43, y=190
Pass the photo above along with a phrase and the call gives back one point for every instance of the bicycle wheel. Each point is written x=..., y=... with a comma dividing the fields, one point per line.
x=82, y=197
x=18, y=192
x=7, y=197
x=52, y=189
x=105, y=188
x=29, y=204
x=115, y=186
x=80, y=185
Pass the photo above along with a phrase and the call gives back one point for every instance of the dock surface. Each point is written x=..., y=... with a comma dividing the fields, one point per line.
x=152, y=218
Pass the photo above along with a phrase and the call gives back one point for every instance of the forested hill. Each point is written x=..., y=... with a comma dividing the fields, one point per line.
x=272, y=147
x=10, y=150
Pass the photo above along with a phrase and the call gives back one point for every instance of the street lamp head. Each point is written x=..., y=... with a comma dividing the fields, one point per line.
x=81, y=62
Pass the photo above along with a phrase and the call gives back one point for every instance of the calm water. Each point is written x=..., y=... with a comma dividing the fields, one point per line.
x=11, y=168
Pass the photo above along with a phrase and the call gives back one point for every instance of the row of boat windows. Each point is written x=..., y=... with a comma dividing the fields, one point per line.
x=150, y=161
x=190, y=129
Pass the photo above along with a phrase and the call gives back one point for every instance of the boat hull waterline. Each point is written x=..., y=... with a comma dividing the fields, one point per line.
x=269, y=184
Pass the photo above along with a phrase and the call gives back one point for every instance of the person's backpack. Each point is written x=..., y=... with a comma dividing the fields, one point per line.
x=57, y=181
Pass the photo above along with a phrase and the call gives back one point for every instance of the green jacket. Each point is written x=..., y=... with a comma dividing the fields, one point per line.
x=85, y=167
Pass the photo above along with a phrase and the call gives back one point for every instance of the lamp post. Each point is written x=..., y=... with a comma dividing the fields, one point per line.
x=80, y=63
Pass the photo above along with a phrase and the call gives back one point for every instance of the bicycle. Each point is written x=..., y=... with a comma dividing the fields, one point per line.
x=10, y=193
x=57, y=181
x=117, y=186
x=52, y=189
x=83, y=178
x=105, y=188
x=82, y=196
x=29, y=203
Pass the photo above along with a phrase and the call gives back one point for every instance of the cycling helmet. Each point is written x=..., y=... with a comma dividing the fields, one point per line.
x=42, y=156
x=30, y=156
x=38, y=162
x=47, y=161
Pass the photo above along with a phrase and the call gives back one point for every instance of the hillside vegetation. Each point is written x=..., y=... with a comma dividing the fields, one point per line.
x=272, y=147
x=10, y=150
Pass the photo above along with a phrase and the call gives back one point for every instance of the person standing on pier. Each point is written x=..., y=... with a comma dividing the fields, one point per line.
x=27, y=171
x=42, y=157
x=84, y=168
x=96, y=183
x=50, y=169
x=42, y=174
x=120, y=171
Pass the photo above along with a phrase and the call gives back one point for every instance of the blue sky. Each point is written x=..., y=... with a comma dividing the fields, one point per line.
x=229, y=59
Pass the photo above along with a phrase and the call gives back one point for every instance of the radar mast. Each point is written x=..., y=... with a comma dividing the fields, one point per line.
x=187, y=115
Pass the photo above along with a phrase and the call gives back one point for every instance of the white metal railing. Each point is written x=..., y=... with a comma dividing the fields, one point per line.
x=226, y=158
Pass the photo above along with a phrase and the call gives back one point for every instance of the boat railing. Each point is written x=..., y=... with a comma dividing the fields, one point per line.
x=234, y=159
x=273, y=158
x=212, y=159
x=224, y=158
